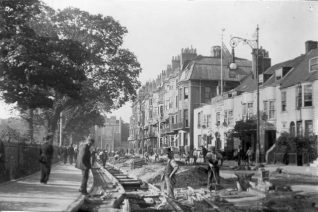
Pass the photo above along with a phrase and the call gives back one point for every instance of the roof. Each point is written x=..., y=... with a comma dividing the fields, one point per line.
x=209, y=68
x=301, y=71
x=288, y=63
x=248, y=84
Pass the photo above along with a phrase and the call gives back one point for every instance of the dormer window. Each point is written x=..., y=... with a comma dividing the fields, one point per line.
x=279, y=74
x=313, y=64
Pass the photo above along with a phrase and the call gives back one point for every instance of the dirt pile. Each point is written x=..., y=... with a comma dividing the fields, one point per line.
x=187, y=176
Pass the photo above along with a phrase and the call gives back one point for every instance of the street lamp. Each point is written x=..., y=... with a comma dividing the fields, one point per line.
x=254, y=44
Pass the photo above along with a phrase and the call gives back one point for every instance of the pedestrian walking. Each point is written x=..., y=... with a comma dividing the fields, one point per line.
x=70, y=152
x=46, y=156
x=213, y=168
x=83, y=163
x=169, y=173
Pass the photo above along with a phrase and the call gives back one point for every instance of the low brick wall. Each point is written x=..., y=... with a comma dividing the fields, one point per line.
x=20, y=160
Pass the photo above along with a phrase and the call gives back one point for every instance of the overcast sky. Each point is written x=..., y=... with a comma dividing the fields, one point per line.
x=157, y=30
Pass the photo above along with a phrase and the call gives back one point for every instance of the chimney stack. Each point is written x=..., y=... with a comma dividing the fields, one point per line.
x=216, y=51
x=310, y=45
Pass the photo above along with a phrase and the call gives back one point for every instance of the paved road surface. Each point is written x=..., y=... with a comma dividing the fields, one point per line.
x=28, y=194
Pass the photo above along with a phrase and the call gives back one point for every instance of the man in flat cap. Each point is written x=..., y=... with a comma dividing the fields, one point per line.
x=169, y=173
x=83, y=162
x=46, y=156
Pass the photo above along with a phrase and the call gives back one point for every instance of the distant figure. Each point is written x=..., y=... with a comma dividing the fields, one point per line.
x=204, y=152
x=169, y=173
x=195, y=156
x=75, y=152
x=213, y=168
x=249, y=155
x=156, y=156
x=70, y=152
x=103, y=157
x=93, y=155
x=239, y=155
x=2, y=159
x=187, y=158
x=83, y=162
x=64, y=150
x=147, y=156
x=46, y=156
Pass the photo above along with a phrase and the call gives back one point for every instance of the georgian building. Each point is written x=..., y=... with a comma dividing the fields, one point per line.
x=166, y=115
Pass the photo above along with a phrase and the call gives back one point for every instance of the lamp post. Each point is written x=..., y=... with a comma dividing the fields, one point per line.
x=254, y=44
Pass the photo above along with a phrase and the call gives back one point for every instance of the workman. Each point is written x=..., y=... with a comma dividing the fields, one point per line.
x=169, y=173
x=213, y=167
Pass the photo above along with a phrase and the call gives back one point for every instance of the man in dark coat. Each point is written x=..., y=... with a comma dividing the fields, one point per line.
x=46, y=156
x=83, y=162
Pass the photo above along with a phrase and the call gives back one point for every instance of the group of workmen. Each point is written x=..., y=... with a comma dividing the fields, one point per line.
x=211, y=157
x=86, y=157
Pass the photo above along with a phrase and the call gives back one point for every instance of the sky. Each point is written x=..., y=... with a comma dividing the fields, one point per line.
x=158, y=30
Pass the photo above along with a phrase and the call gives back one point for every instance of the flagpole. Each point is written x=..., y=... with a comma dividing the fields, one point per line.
x=222, y=62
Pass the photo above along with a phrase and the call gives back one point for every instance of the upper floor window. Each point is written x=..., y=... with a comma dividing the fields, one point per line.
x=186, y=117
x=218, y=117
x=180, y=93
x=225, y=117
x=186, y=92
x=208, y=120
x=269, y=109
x=230, y=117
x=307, y=95
x=313, y=64
x=244, y=110
x=283, y=95
x=249, y=110
x=199, y=119
x=299, y=97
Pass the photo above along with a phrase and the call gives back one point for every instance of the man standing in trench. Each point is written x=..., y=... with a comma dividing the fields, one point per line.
x=169, y=173
x=83, y=162
x=46, y=156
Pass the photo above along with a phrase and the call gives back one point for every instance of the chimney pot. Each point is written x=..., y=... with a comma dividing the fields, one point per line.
x=310, y=45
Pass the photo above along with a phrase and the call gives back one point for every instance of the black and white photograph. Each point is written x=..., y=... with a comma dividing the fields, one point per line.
x=158, y=105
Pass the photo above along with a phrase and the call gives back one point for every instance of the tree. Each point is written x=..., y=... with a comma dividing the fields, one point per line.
x=55, y=61
x=34, y=69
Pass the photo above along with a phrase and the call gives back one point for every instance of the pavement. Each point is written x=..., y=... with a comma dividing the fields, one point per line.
x=59, y=194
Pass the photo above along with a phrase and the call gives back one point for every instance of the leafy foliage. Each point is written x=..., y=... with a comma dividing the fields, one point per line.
x=35, y=68
x=66, y=59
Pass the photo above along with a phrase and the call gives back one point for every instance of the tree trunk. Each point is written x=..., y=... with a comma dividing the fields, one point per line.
x=31, y=127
